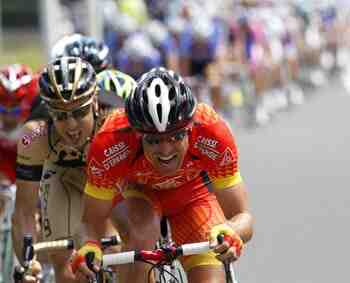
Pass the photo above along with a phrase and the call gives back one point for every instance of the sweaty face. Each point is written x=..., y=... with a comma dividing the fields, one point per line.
x=76, y=126
x=166, y=152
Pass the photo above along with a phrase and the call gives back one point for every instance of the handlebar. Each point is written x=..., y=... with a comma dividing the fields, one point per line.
x=30, y=250
x=110, y=241
x=165, y=254
x=105, y=243
x=161, y=254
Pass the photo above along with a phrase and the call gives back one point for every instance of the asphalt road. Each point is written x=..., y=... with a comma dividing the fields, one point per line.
x=297, y=173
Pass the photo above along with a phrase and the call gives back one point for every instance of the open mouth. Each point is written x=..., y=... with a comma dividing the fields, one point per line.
x=167, y=160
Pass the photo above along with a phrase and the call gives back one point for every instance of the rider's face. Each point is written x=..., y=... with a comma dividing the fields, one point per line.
x=76, y=126
x=9, y=122
x=166, y=152
x=10, y=118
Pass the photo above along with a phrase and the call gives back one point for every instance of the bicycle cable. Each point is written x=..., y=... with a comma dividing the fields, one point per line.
x=162, y=271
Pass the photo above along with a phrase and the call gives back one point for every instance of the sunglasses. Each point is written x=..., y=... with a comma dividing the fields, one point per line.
x=65, y=115
x=15, y=111
x=156, y=139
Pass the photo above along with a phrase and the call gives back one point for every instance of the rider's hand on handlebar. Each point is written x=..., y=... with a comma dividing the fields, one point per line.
x=33, y=274
x=86, y=261
x=230, y=249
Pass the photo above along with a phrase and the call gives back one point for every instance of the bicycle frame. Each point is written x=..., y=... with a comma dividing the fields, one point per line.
x=174, y=269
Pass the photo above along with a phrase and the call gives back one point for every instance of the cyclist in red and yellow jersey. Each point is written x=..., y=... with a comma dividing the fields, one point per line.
x=166, y=155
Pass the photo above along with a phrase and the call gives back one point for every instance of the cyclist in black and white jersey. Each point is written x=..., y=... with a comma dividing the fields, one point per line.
x=52, y=151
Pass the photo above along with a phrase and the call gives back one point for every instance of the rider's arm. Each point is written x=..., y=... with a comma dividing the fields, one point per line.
x=31, y=151
x=95, y=219
x=228, y=184
x=23, y=219
x=97, y=205
x=234, y=202
x=96, y=224
x=232, y=196
x=99, y=190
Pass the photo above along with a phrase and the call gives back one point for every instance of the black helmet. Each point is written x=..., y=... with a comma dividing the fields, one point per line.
x=85, y=47
x=161, y=103
x=68, y=83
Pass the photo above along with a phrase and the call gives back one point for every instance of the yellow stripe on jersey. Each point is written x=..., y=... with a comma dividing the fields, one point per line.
x=208, y=258
x=227, y=182
x=101, y=193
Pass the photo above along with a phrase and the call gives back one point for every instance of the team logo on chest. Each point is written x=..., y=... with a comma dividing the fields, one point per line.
x=115, y=154
x=207, y=146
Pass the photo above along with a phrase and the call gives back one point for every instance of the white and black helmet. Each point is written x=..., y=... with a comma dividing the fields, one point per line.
x=161, y=103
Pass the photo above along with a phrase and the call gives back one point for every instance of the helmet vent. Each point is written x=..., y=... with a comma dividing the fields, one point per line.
x=58, y=76
x=71, y=76
x=113, y=88
x=172, y=114
x=172, y=94
x=182, y=89
x=85, y=74
x=159, y=112
x=121, y=81
x=158, y=90
x=66, y=94
x=144, y=95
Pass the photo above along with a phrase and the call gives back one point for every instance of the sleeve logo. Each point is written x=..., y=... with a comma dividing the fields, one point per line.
x=227, y=157
x=26, y=140
x=35, y=133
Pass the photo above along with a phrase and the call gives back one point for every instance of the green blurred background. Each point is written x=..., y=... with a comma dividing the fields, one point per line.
x=20, y=40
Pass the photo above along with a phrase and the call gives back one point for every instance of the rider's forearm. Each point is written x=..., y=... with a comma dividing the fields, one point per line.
x=242, y=223
x=23, y=221
x=97, y=229
x=95, y=218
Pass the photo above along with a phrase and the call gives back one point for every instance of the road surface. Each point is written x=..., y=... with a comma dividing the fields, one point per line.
x=297, y=173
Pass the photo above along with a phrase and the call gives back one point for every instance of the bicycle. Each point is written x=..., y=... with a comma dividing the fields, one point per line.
x=173, y=268
x=30, y=250
x=163, y=258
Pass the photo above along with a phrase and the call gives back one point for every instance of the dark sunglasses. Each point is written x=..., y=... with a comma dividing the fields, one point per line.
x=15, y=111
x=76, y=114
x=156, y=139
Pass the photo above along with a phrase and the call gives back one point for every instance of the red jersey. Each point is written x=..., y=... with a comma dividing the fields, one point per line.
x=116, y=157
